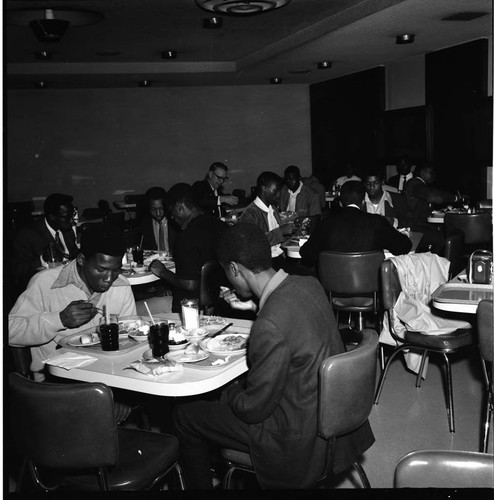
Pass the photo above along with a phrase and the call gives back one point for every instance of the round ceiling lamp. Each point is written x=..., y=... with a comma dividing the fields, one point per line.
x=239, y=7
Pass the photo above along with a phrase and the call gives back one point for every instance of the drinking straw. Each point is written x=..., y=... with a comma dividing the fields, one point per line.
x=140, y=243
x=149, y=312
x=107, y=314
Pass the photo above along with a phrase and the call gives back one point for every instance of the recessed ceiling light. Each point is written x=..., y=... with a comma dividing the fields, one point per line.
x=240, y=7
x=40, y=85
x=405, y=38
x=276, y=80
x=168, y=54
x=43, y=54
x=145, y=83
x=324, y=65
x=212, y=22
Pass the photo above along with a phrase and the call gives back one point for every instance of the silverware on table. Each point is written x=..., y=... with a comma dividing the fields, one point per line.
x=194, y=348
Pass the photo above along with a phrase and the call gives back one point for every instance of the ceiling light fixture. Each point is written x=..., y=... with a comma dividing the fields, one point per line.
x=40, y=85
x=276, y=80
x=212, y=22
x=168, y=54
x=405, y=38
x=49, y=29
x=240, y=7
x=145, y=83
x=324, y=65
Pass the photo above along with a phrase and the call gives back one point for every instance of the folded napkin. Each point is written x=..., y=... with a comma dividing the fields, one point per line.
x=70, y=360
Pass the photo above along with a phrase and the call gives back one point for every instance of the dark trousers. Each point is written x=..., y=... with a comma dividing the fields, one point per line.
x=199, y=426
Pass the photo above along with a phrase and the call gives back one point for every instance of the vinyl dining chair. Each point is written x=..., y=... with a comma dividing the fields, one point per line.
x=485, y=328
x=68, y=438
x=444, y=345
x=351, y=281
x=454, y=249
x=212, y=277
x=445, y=469
x=476, y=227
x=340, y=411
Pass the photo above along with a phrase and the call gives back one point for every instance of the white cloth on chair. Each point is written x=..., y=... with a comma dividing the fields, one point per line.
x=420, y=275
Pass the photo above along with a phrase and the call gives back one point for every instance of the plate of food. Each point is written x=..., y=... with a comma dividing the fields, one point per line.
x=177, y=340
x=187, y=357
x=134, y=327
x=211, y=320
x=227, y=343
x=84, y=340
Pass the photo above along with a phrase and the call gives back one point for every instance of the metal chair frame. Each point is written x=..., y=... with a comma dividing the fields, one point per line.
x=391, y=291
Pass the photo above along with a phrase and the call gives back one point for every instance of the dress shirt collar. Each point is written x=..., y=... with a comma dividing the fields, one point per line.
x=52, y=231
x=258, y=202
x=271, y=286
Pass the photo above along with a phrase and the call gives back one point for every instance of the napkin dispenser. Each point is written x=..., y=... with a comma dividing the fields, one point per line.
x=480, y=267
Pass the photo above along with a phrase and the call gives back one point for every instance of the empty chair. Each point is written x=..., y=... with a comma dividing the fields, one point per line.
x=454, y=249
x=212, y=276
x=340, y=411
x=485, y=328
x=352, y=282
x=445, y=469
x=67, y=435
x=440, y=344
x=476, y=227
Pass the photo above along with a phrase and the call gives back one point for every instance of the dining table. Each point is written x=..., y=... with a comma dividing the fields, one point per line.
x=140, y=274
x=460, y=296
x=292, y=245
x=113, y=368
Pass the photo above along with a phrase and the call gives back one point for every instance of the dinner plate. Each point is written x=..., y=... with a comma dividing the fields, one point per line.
x=182, y=357
x=76, y=341
x=217, y=344
x=178, y=347
x=138, y=337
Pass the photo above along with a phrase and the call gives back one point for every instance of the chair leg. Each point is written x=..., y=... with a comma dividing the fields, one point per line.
x=450, y=407
x=418, y=381
x=487, y=421
x=180, y=474
x=227, y=480
x=386, y=367
x=363, y=476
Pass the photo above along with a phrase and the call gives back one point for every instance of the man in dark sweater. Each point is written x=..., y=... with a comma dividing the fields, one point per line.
x=195, y=244
x=353, y=230
x=272, y=412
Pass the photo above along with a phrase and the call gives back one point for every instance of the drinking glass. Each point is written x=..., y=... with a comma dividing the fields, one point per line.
x=190, y=313
x=138, y=254
x=158, y=338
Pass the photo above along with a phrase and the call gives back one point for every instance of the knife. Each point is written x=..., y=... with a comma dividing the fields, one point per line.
x=214, y=334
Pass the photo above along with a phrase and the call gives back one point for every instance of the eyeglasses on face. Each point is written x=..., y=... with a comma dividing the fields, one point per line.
x=219, y=177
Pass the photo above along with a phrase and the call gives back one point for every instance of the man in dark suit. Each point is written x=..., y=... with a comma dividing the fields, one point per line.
x=272, y=412
x=31, y=243
x=350, y=229
x=208, y=192
x=399, y=180
x=156, y=231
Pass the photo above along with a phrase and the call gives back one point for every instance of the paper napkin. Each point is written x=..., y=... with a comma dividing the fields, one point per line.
x=70, y=360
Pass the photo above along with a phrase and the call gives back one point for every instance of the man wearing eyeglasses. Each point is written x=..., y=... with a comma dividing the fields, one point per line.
x=208, y=192
x=54, y=232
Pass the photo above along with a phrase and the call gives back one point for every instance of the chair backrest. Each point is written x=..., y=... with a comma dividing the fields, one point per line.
x=485, y=329
x=21, y=359
x=63, y=426
x=477, y=227
x=390, y=285
x=212, y=276
x=350, y=273
x=454, y=247
x=445, y=469
x=346, y=387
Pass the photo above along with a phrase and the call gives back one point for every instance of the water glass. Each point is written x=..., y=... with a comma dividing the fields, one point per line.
x=190, y=313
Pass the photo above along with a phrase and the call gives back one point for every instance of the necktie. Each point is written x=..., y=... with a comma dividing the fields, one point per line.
x=403, y=179
x=59, y=245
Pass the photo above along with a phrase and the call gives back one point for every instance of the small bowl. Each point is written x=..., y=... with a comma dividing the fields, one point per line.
x=178, y=347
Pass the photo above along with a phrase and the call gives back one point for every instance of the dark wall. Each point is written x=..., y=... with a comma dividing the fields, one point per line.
x=345, y=120
x=460, y=116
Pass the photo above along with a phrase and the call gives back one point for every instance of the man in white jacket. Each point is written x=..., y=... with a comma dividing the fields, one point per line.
x=68, y=299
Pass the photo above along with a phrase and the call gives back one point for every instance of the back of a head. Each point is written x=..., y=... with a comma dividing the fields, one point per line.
x=102, y=238
x=54, y=201
x=268, y=178
x=155, y=193
x=245, y=244
x=181, y=193
x=352, y=192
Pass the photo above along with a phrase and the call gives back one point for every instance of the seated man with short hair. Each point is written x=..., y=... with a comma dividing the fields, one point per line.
x=65, y=300
x=272, y=413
